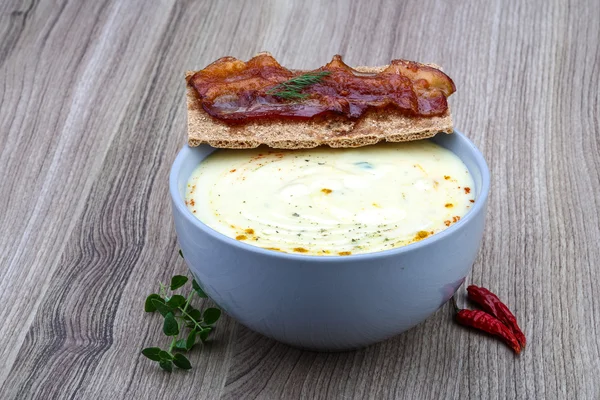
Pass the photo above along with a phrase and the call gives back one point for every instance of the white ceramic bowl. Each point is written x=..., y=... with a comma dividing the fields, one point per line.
x=331, y=303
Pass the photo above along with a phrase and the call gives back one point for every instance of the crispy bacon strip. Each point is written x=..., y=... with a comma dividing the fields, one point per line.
x=232, y=90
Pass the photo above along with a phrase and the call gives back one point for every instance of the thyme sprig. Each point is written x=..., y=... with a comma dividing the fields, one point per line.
x=179, y=314
x=292, y=88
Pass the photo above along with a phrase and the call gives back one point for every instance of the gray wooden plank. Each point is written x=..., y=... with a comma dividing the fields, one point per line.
x=527, y=82
x=527, y=78
x=65, y=88
x=124, y=243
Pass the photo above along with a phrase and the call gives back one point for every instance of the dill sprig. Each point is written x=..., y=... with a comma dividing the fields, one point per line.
x=292, y=89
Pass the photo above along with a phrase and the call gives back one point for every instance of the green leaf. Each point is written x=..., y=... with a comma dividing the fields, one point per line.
x=211, y=315
x=180, y=345
x=178, y=281
x=164, y=355
x=176, y=301
x=182, y=362
x=198, y=289
x=181, y=253
x=148, y=306
x=188, y=309
x=196, y=314
x=167, y=365
x=152, y=353
x=191, y=340
x=160, y=305
x=204, y=334
x=170, y=327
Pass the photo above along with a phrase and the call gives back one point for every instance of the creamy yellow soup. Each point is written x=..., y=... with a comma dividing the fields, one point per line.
x=327, y=201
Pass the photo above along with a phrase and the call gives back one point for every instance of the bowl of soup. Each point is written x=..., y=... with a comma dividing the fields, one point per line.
x=331, y=249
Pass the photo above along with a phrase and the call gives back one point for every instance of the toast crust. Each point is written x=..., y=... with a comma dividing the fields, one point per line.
x=335, y=131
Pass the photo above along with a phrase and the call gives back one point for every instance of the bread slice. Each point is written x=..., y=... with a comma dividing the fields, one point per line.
x=335, y=131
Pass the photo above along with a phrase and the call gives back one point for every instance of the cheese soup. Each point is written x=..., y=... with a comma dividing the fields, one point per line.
x=326, y=201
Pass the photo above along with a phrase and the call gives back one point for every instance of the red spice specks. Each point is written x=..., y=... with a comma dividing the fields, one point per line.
x=420, y=235
x=467, y=190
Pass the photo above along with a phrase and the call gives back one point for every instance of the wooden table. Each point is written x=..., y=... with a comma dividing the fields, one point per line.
x=93, y=113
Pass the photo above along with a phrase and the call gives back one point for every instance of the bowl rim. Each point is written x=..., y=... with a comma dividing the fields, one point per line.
x=178, y=202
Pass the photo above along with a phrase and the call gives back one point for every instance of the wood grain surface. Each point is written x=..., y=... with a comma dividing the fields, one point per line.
x=92, y=113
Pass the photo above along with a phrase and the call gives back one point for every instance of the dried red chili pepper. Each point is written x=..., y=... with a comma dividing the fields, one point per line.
x=485, y=322
x=489, y=302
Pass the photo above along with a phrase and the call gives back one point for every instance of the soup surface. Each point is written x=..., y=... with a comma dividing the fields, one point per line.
x=328, y=201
